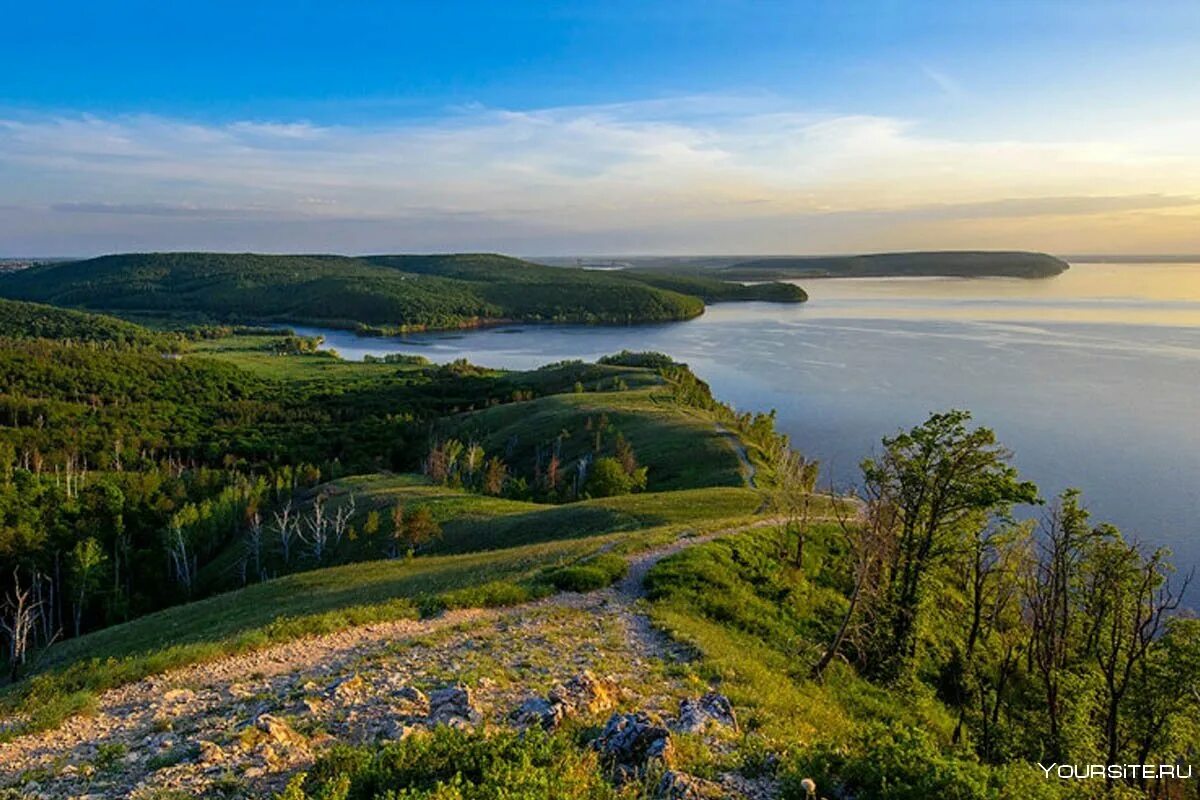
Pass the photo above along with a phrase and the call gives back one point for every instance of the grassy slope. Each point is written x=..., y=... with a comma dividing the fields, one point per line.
x=681, y=446
x=383, y=291
x=472, y=522
x=322, y=601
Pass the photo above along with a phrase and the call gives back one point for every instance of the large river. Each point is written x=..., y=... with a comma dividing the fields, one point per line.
x=1091, y=378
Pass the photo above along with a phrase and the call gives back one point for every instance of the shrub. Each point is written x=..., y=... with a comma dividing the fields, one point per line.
x=895, y=764
x=452, y=764
x=595, y=573
x=609, y=478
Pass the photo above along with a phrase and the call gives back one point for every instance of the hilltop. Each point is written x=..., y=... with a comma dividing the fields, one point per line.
x=371, y=293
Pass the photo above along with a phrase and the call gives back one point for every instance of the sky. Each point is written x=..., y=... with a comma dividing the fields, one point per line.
x=599, y=128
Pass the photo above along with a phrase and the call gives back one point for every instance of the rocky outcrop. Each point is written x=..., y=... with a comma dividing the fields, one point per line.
x=699, y=714
x=454, y=706
x=582, y=695
x=630, y=743
x=681, y=786
x=585, y=694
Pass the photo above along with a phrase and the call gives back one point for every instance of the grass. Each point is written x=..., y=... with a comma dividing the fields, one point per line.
x=680, y=445
x=71, y=675
x=304, y=604
x=472, y=522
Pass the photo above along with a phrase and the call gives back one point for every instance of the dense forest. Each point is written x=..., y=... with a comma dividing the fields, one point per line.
x=372, y=293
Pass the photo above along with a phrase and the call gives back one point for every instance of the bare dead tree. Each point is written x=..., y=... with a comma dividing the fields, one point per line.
x=183, y=563
x=285, y=529
x=318, y=529
x=341, y=519
x=868, y=531
x=18, y=618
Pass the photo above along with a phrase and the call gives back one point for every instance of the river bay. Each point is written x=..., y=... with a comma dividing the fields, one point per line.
x=1091, y=378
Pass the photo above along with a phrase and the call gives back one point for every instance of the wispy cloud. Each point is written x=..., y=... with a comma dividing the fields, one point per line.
x=635, y=172
x=949, y=86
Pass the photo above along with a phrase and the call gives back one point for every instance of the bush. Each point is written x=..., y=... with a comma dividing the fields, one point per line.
x=595, y=573
x=896, y=764
x=609, y=479
x=451, y=764
x=494, y=594
x=649, y=360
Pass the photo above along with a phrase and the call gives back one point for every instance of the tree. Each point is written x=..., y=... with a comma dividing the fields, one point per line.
x=397, y=529
x=371, y=524
x=868, y=536
x=285, y=529
x=85, y=564
x=1130, y=597
x=472, y=460
x=1051, y=604
x=18, y=616
x=795, y=477
x=944, y=480
x=495, y=473
x=437, y=464
x=420, y=529
x=609, y=479
x=624, y=454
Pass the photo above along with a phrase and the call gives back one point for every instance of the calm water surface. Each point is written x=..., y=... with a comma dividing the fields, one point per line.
x=1092, y=378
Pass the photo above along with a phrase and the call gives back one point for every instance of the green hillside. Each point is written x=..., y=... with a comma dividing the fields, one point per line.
x=20, y=320
x=965, y=264
x=374, y=294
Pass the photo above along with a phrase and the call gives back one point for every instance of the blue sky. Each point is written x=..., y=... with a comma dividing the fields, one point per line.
x=544, y=128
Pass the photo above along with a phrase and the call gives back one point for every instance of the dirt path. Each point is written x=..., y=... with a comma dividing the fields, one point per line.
x=743, y=457
x=189, y=728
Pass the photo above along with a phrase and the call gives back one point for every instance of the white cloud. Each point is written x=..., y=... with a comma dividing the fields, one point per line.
x=656, y=170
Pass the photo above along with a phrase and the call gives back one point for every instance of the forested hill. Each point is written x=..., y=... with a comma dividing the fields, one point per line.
x=36, y=321
x=966, y=264
x=377, y=292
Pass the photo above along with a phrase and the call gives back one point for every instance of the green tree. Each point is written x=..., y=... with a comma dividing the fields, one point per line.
x=420, y=528
x=944, y=480
x=86, y=563
x=608, y=478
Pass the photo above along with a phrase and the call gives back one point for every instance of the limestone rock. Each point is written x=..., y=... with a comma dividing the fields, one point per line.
x=681, y=786
x=585, y=694
x=698, y=714
x=538, y=712
x=454, y=706
x=632, y=742
x=347, y=690
x=279, y=732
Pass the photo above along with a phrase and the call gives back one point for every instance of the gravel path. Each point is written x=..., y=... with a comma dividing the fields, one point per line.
x=190, y=728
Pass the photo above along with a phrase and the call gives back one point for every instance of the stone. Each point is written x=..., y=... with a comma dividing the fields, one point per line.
x=411, y=694
x=452, y=705
x=348, y=690
x=279, y=732
x=681, y=786
x=585, y=694
x=630, y=743
x=538, y=712
x=179, y=696
x=697, y=715
x=210, y=752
